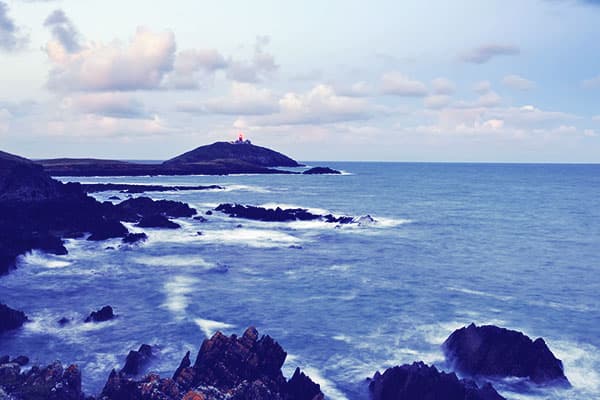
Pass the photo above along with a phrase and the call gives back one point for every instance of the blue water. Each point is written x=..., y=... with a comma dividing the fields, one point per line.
x=513, y=245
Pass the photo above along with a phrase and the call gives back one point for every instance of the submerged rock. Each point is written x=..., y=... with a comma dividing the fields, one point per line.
x=493, y=351
x=278, y=214
x=321, y=170
x=11, y=319
x=104, y=314
x=420, y=381
x=132, y=238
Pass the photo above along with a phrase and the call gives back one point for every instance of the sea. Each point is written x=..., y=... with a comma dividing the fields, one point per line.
x=514, y=245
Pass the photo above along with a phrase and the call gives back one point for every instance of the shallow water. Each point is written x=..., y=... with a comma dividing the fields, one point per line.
x=513, y=245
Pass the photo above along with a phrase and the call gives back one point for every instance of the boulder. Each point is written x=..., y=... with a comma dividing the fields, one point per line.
x=132, y=238
x=132, y=209
x=11, y=319
x=492, y=351
x=103, y=314
x=278, y=214
x=157, y=221
x=420, y=381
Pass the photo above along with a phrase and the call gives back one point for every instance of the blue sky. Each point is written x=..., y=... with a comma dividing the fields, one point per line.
x=506, y=81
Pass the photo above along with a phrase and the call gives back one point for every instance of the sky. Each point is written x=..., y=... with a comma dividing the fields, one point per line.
x=462, y=81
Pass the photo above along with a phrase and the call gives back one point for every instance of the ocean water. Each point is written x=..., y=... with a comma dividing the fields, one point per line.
x=512, y=245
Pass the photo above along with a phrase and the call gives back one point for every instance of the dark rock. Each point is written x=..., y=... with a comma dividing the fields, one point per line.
x=199, y=233
x=21, y=360
x=11, y=319
x=64, y=321
x=103, y=314
x=127, y=188
x=300, y=387
x=208, y=212
x=321, y=170
x=200, y=218
x=132, y=209
x=239, y=226
x=278, y=214
x=157, y=221
x=52, y=382
x=132, y=238
x=107, y=229
x=110, y=198
x=4, y=360
x=137, y=360
x=493, y=351
x=419, y=381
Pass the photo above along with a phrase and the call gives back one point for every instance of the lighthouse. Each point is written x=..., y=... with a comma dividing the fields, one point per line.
x=240, y=140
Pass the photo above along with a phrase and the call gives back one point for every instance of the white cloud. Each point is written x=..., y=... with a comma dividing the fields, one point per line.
x=518, y=82
x=592, y=83
x=110, y=104
x=357, y=89
x=192, y=68
x=487, y=52
x=141, y=64
x=94, y=125
x=259, y=68
x=11, y=36
x=590, y=133
x=395, y=83
x=482, y=87
x=244, y=99
x=437, y=101
x=443, y=86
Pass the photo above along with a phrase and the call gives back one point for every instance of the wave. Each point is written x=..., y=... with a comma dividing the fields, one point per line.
x=210, y=327
x=45, y=260
x=479, y=293
x=245, y=188
x=174, y=261
x=328, y=388
x=258, y=238
x=177, y=293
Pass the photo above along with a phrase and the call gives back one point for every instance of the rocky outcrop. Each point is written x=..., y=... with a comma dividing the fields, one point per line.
x=136, y=361
x=132, y=238
x=53, y=382
x=11, y=319
x=227, y=367
x=127, y=188
x=157, y=221
x=278, y=214
x=321, y=171
x=131, y=210
x=420, y=381
x=493, y=351
x=104, y=314
x=249, y=153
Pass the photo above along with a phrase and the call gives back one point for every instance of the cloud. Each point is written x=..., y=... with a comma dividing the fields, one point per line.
x=108, y=104
x=592, y=83
x=482, y=87
x=258, y=69
x=11, y=37
x=244, y=99
x=518, y=82
x=443, y=86
x=192, y=68
x=487, y=99
x=487, y=52
x=437, y=101
x=320, y=105
x=357, y=89
x=139, y=65
x=94, y=125
x=63, y=31
x=395, y=83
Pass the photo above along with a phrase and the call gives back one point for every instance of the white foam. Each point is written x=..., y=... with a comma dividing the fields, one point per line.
x=45, y=260
x=328, y=388
x=284, y=206
x=479, y=293
x=177, y=292
x=210, y=327
x=258, y=238
x=173, y=261
x=581, y=363
x=246, y=188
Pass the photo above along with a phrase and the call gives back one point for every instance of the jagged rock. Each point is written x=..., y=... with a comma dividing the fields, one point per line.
x=493, y=351
x=157, y=221
x=420, y=381
x=21, y=360
x=132, y=209
x=132, y=238
x=103, y=314
x=321, y=170
x=137, y=360
x=52, y=382
x=300, y=387
x=11, y=319
x=278, y=214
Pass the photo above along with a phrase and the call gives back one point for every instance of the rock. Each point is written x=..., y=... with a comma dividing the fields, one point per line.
x=321, y=170
x=200, y=218
x=4, y=360
x=52, y=382
x=300, y=387
x=11, y=319
x=365, y=220
x=21, y=360
x=108, y=229
x=136, y=361
x=127, y=188
x=278, y=214
x=64, y=321
x=131, y=209
x=493, y=351
x=420, y=381
x=208, y=212
x=239, y=226
x=104, y=314
x=199, y=233
x=111, y=197
x=132, y=238
x=157, y=221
